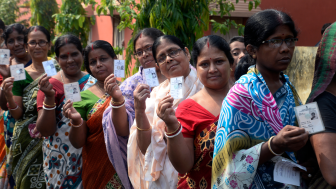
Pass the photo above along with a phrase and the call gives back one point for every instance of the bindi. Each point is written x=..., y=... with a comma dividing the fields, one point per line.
x=68, y=53
x=35, y=29
x=92, y=47
x=140, y=35
x=66, y=40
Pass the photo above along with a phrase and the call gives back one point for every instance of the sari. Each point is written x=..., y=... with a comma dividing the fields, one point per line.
x=154, y=169
x=201, y=125
x=98, y=172
x=61, y=161
x=3, y=172
x=249, y=117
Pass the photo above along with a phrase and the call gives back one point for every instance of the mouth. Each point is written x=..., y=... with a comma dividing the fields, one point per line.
x=18, y=50
x=214, y=77
x=72, y=66
x=173, y=66
x=100, y=71
x=148, y=62
x=285, y=60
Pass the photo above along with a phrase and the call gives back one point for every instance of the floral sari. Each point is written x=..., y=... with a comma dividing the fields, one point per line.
x=249, y=117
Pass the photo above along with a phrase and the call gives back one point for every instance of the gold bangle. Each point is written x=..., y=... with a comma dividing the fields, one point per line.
x=117, y=103
x=173, y=131
x=143, y=129
x=49, y=105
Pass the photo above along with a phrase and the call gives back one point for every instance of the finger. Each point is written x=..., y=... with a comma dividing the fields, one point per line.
x=49, y=87
x=299, y=138
x=168, y=99
x=165, y=106
x=294, y=132
x=109, y=79
x=144, y=93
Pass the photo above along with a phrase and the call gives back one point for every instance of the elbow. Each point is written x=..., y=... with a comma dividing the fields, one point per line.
x=330, y=179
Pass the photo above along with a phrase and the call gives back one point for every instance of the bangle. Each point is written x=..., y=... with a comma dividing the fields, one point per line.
x=174, y=132
x=76, y=125
x=115, y=107
x=270, y=149
x=143, y=129
x=49, y=105
x=117, y=103
x=172, y=136
x=16, y=107
x=49, y=108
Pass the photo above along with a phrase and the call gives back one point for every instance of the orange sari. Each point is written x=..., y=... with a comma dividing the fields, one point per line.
x=98, y=171
x=3, y=172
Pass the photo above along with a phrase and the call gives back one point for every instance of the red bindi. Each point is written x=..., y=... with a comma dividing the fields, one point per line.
x=210, y=58
x=68, y=53
x=208, y=43
x=66, y=40
x=92, y=47
x=35, y=29
x=140, y=35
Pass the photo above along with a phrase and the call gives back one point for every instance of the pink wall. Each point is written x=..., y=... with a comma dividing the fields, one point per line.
x=308, y=15
x=103, y=29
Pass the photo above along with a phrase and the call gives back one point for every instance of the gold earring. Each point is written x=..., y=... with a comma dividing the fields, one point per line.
x=231, y=69
x=254, y=56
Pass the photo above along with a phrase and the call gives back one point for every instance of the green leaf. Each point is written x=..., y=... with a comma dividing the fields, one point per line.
x=250, y=5
x=81, y=21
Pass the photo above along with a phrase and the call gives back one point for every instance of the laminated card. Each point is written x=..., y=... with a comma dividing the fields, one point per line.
x=309, y=118
x=151, y=77
x=176, y=87
x=72, y=92
x=49, y=68
x=119, y=68
x=4, y=56
x=18, y=72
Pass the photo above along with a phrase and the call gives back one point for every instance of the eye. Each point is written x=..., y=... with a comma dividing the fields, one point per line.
x=235, y=54
x=93, y=62
x=219, y=61
x=205, y=64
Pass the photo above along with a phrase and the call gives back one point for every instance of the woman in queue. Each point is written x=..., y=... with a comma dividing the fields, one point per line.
x=86, y=118
x=26, y=155
x=324, y=93
x=190, y=150
x=62, y=162
x=257, y=127
x=147, y=142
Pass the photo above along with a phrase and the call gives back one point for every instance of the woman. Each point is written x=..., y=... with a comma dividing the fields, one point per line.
x=143, y=43
x=191, y=152
x=146, y=142
x=61, y=159
x=238, y=51
x=257, y=116
x=86, y=118
x=26, y=151
x=324, y=93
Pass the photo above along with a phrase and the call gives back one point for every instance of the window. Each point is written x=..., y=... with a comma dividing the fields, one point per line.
x=118, y=36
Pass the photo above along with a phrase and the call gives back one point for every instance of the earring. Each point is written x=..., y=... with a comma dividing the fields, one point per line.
x=254, y=56
x=231, y=69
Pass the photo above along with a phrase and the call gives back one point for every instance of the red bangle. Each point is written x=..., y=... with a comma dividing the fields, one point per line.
x=173, y=133
x=10, y=107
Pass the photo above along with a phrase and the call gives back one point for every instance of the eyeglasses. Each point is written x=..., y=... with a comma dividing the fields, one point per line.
x=139, y=54
x=172, y=54
x=19, y=40
x=40, y=43
x=276, y=43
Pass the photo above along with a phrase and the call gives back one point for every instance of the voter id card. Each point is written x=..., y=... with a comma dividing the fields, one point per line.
x=49, y=68
x=4, y=56
x=151, y=77
x=72, y=92
x=18, y=72
x=309, y=117
x=176, y=87
x=119, y=68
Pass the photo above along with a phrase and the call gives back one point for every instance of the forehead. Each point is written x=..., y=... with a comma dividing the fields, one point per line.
x=211, y=52
x=68, y=48
x=36, y=35
x=237, y=45
x=97, y=53
x=15, y=34
x=165, y=46
x=281, y=31
x=143, y=41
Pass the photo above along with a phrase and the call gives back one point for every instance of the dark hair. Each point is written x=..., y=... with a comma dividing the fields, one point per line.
x=215, y=41
x=2, y=25
x=237, y=38
x=261, y=25
x=67, y=39
x=153, y=33
x=171, y=39
x=40, y=28
x=242, y=66
x=99, y=44
x=19, y=28
x=324, y=27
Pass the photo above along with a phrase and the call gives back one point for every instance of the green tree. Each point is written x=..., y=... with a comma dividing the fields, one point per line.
x=186, y=19
x=72, y=19
x=10, y=11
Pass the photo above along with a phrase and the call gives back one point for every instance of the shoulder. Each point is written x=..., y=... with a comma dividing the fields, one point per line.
x=190, y=109
x=132, y=81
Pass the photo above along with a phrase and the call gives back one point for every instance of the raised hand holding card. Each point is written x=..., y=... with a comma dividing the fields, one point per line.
x=176, y=87
x=18, y=72
x=309, y=118
x=4, y=56
x=72, y=92
x=151, y=77
x=119, y=68
x=49, y=68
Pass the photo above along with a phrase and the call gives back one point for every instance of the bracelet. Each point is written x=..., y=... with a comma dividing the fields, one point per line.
x=115, y=107
x=17, y=106
x=53, y=108
x=49, y=105
x=143, y=129
x=174, y=132
x=117, y=103
x=76, y=125
x=172, y=136
x=270, y=149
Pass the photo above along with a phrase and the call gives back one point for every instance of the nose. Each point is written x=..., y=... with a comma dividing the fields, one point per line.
x=241, y=55
x=99, y=63
x=16, y=42
x=212, y=68
x=70, y=59
x=145, y=54
x=168, y=58
x=284, y=47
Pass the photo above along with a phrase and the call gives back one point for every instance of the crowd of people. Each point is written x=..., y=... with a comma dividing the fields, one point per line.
x=235, y=120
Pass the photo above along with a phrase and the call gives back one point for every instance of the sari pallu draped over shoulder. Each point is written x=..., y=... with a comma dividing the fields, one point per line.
x=154, y=169
x=26, y=152
x=248, y=118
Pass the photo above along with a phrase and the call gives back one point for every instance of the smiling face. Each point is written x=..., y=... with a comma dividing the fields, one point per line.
x=37, y=52
x=70, y=59
x=15, y=43
x=275, y=59
x=101, y=64
x=213, y=68
x=144, y=43
x=173, y=67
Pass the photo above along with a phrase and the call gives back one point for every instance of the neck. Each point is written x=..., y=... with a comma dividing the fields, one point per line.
x=268, y=75
x=37, y=66
x=100, y=84
x=161, y=77
x=332, y=86
x=24, y=59
x=73, y=78
x=217, y=94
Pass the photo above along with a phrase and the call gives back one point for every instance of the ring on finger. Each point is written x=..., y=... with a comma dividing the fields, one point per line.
x=309, y=175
